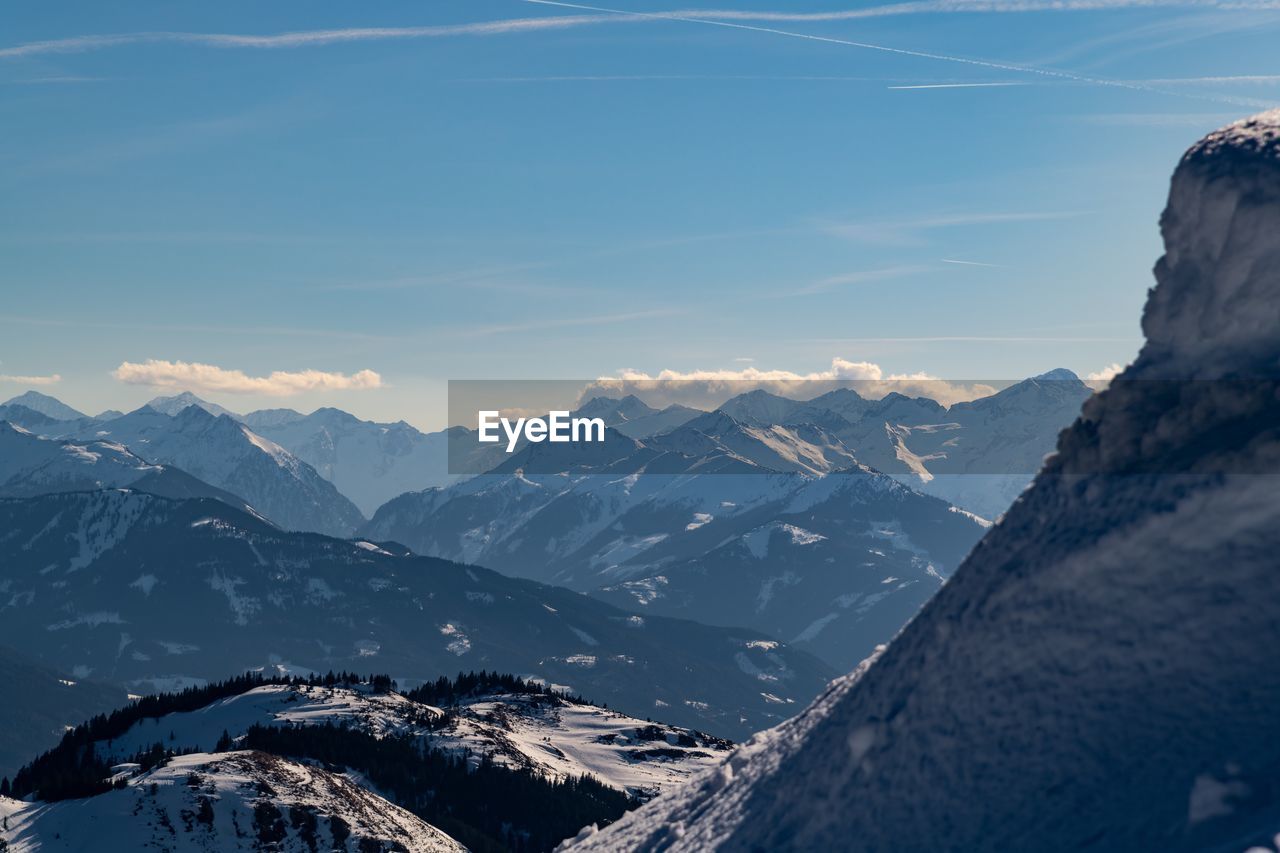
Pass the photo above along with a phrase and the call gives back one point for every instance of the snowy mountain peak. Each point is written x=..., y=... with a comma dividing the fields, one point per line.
x=759, y=408
x=616, y=410
x=173, y=405
x=272, y=418
x=1059, y=374
x=1217, y=306
x=50, y=407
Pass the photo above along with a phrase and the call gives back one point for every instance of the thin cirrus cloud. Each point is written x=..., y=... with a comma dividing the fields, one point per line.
x=298, y=38
x=727, y=17
x=209, y=378
x=911, y=232
x=1000, y=85
x=850, y=279
x=566, y=322
x=735, y=19
x=52, y=379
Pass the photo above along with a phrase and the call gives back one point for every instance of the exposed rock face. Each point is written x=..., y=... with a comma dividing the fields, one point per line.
x=1101, y=673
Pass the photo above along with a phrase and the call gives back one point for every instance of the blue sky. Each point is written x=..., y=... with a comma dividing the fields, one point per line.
x=561, y=192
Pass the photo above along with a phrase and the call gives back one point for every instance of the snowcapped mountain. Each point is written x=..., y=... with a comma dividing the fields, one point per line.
x=614, y=411
x=368, y=462
x=543, y=732
x=173, y=405
x=227, y=454
x=155, y=593
x=760, y=408
x=978, y=455
x=40, y=703
x=802, y=448
x=634, y=418
x=244, y=800
x=1100, y=673
x=30, y=465
x=50, y=407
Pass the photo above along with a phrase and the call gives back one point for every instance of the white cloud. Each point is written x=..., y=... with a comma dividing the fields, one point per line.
x=1101, y=378
x=709, y=388
x=209, y=378
x=52, y=379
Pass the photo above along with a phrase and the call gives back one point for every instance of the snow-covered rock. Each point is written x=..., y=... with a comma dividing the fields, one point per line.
x=222, y=802
x=1100, y=673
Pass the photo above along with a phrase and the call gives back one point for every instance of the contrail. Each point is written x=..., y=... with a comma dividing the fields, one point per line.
x=300, y=38
x=978, y=63
x=969, y=263
x=959, y=85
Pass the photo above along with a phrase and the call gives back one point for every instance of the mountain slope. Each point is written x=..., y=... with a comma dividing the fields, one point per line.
x=835, y=568
x=1100, y=673
x=158, y=593
x=223, y=801
x=226, y=454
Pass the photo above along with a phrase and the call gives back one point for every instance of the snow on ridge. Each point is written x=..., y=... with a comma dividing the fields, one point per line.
x=550, y=735
x=219, y=793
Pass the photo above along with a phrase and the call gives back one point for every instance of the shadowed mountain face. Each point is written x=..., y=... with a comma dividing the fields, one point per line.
x=40, y=702
x=368, y=462
x=30, y=465
x=225, y=453
x=1100, y=672
x=155, y=594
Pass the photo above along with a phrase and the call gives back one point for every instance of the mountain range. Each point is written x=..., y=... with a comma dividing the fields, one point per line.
x=153, y=593
x=767, y=513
